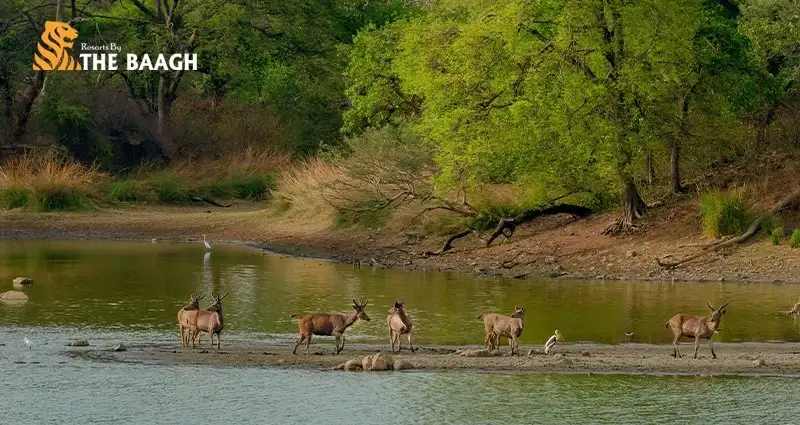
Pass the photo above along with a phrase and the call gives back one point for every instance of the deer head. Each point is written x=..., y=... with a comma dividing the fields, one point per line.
x=358, y=306
x=716, y=314
x=519, y=312
x=217, y=305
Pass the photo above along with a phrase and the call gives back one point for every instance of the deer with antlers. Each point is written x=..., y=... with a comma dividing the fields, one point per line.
x=187, y=316
x=329, y=325
x=696, y=327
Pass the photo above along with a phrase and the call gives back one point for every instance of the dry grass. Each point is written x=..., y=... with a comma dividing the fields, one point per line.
x=48, y=182
x=303, y=187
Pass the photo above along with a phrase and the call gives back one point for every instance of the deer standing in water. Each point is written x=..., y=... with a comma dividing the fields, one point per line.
x=329, y=325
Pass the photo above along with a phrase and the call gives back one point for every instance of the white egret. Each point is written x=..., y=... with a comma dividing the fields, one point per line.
x=29, y=343
x=206, y=243
x=557, y=336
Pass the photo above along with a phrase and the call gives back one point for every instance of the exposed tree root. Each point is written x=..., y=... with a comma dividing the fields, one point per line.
x=752, y=230
x=448, y=244
x=507, y=226
x=209, y=201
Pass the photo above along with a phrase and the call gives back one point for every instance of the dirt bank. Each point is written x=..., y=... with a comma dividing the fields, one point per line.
x=556, y=246
x=732, y=359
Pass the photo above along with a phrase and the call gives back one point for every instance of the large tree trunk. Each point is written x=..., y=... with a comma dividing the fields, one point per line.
x=650, y=170
x=163, y=111
x=633, y=208
x=23, y=104
x=674, y=166
x=761, y=135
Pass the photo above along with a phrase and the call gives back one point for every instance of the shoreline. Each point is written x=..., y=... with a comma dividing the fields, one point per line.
x=560, y=249
x=733, y=359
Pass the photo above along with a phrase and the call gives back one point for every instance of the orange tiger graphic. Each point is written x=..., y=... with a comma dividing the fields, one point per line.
x=53, y=47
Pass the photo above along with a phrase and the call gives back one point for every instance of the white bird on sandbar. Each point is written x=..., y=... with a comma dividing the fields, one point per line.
x=557, y=336
x=206, y=243
x=29, y=343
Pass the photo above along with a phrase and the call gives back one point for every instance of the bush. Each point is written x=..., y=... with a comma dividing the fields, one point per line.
x=125, y=191
x=47, y=182
x=776, y=235
x=241, y=186
x=724, y=213
x=14, y=197
x=171, y=191
x=794, y=240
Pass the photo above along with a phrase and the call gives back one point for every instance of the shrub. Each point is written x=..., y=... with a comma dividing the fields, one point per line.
x=724, y=213
x=776, y=235
x=13, y=197
x=125, y=191
x=171, y=191
x=369, y=213
x=769, y=223
x=48, y=182
x=241, y=186
x=794, y=240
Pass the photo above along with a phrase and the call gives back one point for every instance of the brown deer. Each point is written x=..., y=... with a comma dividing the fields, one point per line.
x=329, y=325
x=497, y=325
x=399, y=324
x=696, y=327
x=209, y=321
x=184, y=324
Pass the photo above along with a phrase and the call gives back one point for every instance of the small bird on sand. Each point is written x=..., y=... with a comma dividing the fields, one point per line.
x=29, y=343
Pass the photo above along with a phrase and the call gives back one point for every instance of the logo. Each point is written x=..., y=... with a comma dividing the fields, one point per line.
x=53, y=54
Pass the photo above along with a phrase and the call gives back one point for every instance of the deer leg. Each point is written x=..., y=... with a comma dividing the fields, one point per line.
x=512, y=341
x=297, y=343
x=308, y=342
x=342, y=347
x=391, y=338
x=711, y=344
x=218, y=337
x=675, y=352
x=409, y=342
x=696, y=345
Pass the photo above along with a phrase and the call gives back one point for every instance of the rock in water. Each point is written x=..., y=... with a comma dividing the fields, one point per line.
x=402, y=365
x=20, y=282
x=366, y=363
x=79, y=343
x=119, y=347
x=353, y=365
x=13, y=296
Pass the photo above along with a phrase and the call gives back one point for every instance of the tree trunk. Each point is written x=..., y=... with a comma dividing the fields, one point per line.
x=23, y=104
x=633, y=208
x=762, y=127
x=163, y=110
x=650, y=170
x=674, y=166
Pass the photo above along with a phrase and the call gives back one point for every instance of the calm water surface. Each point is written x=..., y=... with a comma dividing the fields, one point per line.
x=125, y=291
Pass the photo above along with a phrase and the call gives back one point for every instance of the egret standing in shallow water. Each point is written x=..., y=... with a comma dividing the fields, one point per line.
x=206, y=243
x=28, y=343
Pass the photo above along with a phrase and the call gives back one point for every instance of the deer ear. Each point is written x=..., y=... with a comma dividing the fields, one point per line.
x=709, y=306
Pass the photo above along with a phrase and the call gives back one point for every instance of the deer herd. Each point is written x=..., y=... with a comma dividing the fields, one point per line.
x=193, y=321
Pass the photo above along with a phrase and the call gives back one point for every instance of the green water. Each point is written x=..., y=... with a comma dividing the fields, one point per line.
x=134, y=285
x=124, y=291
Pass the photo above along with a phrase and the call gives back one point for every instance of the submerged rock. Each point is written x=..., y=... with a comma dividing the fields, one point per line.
x=13, y=296
x=79, y=343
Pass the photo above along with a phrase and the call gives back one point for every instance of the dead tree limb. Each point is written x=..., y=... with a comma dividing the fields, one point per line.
x=507, y=226
x=448, y=244
x=752, y=230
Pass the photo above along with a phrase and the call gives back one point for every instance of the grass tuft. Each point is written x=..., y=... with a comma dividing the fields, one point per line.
x=794, y=240
x=724, y=213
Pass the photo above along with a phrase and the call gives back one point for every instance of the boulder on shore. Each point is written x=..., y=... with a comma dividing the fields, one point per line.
x=382, y=361
x=400, y=364
x=20, y=282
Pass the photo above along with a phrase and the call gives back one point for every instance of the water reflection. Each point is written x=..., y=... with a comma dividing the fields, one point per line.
x=140, y=286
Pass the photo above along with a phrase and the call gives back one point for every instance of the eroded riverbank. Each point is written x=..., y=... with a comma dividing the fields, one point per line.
x=779, y=359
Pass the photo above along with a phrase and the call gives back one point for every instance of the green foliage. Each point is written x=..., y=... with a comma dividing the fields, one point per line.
x=170, y=190
x=14, y=197
x=59, y=199
x=125, y=190
x=794, y=240
x=241, y=186
x=724, y=213
x=776, y=235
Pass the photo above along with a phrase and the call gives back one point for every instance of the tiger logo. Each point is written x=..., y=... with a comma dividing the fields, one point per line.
x=53, y=54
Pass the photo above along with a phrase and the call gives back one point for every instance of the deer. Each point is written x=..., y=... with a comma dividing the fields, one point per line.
x=184, y=315
x=329, y=325
x=497, y=325
x=696, y=327
x=209, y=321
x=399, y=324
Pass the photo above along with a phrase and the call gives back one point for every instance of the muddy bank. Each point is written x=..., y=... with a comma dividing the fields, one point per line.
x=557, y=247
x=732, y=359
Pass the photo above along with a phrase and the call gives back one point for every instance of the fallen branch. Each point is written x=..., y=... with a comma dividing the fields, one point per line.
x=754, y=226
x=507, y=226
x=448, y=244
